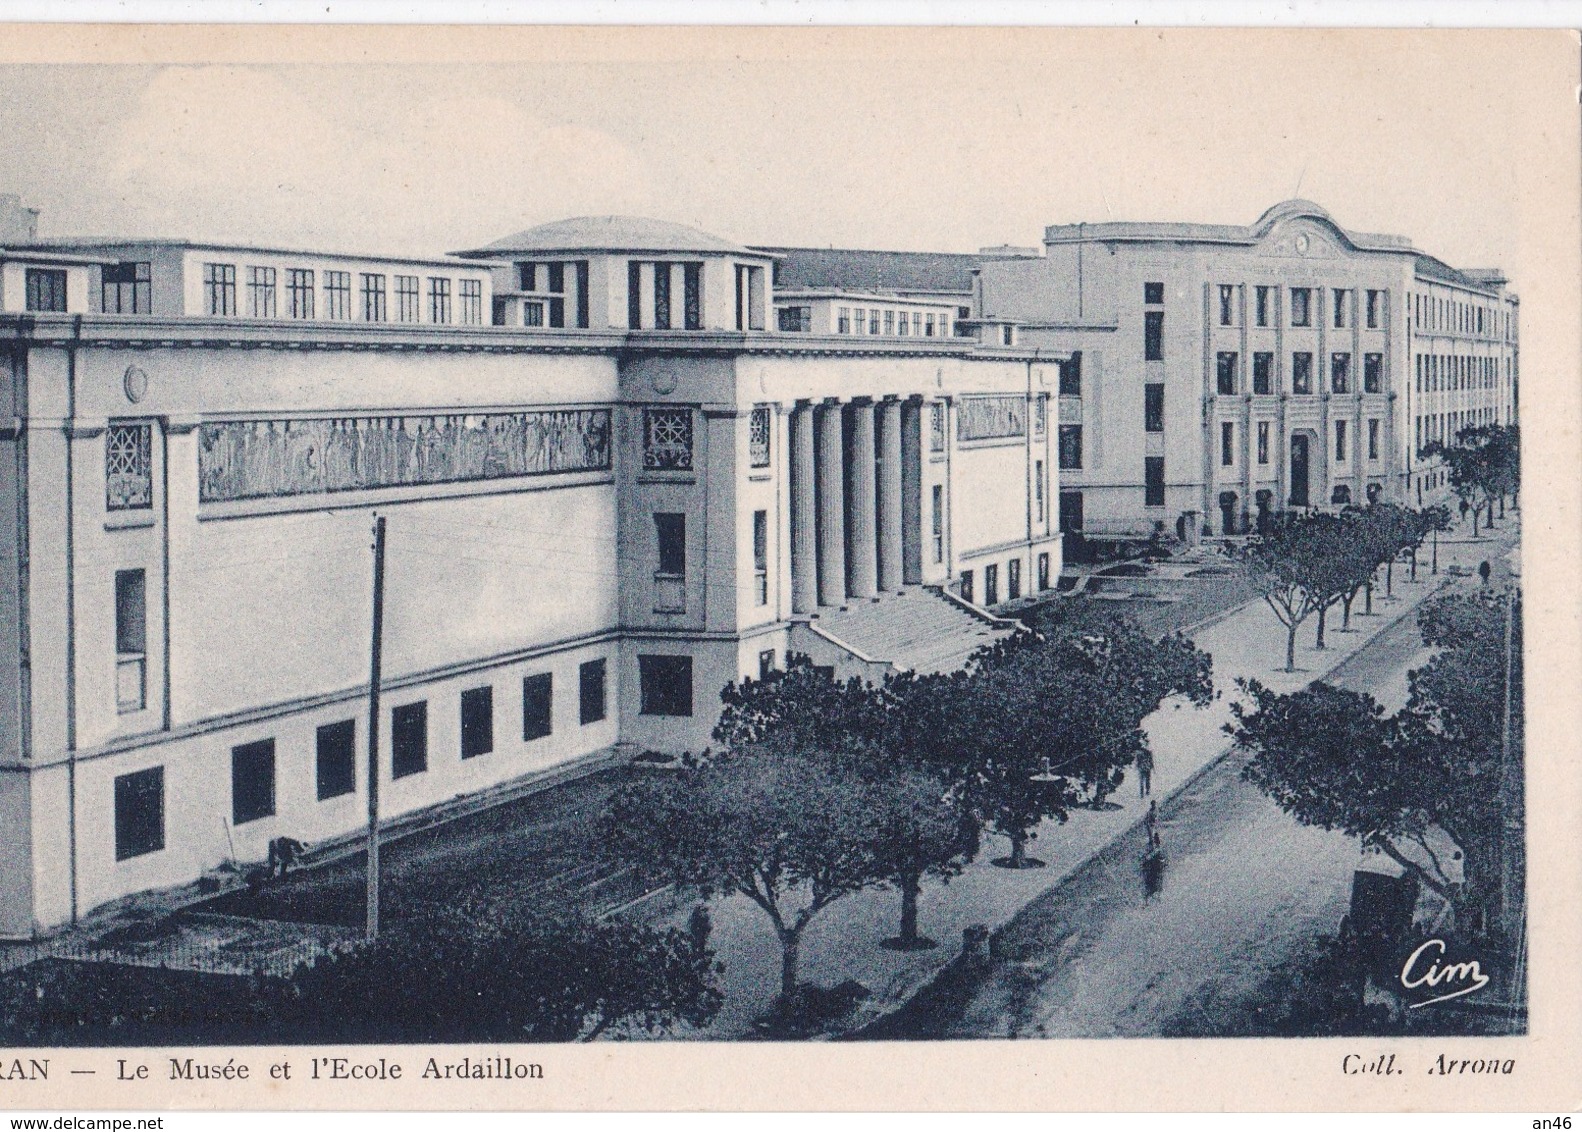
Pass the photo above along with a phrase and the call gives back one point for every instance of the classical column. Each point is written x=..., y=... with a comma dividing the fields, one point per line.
x=890, y=561
x=862, y=546
x=804, y=521
x=831, y=460
x=912, y=491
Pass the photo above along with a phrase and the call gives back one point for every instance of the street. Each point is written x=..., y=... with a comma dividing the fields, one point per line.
x=1111, y=952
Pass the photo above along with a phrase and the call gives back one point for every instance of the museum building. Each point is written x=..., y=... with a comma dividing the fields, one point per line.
x=612, y=485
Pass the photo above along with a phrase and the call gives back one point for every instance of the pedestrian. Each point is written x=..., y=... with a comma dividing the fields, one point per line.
x=1145, y=773
x=283, y=853
x=1151, y=824
x=1484, y=571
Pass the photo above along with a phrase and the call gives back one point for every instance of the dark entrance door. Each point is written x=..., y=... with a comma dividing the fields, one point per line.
x=1299, y=497
x=1227, y=512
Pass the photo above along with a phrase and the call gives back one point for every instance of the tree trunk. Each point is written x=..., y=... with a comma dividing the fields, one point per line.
x=1414, y=564
x=1502, y=505
x=1436, y=552
x=1474, y=522
x=1018, y=849
x=909, y=890
x=790, y=952
x=1322, y=613
x=1367, y=598
x=1345, y=617
x=1290, y=649
x=1389, y=578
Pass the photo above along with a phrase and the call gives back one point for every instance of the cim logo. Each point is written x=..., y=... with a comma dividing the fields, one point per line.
x=1424, y=970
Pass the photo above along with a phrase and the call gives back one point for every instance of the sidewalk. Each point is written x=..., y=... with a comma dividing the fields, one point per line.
x=842, y=942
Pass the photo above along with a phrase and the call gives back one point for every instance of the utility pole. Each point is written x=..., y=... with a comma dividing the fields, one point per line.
x=373, y=728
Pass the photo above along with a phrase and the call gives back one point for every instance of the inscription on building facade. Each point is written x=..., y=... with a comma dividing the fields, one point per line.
x=259, y=459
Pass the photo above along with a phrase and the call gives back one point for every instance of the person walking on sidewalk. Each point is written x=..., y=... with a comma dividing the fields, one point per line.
x=1151, y=824
x=1145, y=773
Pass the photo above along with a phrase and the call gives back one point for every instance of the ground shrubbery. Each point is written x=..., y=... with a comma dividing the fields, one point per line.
x=455, y=973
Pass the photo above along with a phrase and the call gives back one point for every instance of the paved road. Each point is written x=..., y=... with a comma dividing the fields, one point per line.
x=1112, y=953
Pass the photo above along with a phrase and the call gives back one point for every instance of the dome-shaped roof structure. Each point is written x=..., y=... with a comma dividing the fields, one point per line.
x=609, y=234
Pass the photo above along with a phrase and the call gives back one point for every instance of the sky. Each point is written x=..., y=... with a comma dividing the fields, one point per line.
x=902, y=139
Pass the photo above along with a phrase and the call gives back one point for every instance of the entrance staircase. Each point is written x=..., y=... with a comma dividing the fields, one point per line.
x=920, y=629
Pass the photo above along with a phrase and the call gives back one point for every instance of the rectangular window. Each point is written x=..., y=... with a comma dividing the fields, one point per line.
x=261, y=292
x=1227, y=300
x=337, y=759
x=1373, y=309
x=1043, y=572
x=843, y=321
x=758, y=429
x=665, y=685
x=991, y=584
x=1373, y=438
x=1301, y=306
x=795, y=320
x=873, y=320
x=1070, y=512
x=219, y=289
x=889, y=324
x=527, y=276
x=128, y=467
x=1153, y=481
x=938, y=529
x=1071, y=446
x=338, y=295
x=590, y=691
x=670, y=533
x=139, y=813
x=477, y=721
x=903, y=324
x=1340, y=373
x=1227, y=444
x=124, y=288
x=1038, y=490
x=438, y=300
x=1225, y=373
x=1341, y=300
x=1153, y=336
x=1261, y=299
x=936, y=426
x=1013, y=579
x=532, y=314
x=407, y=298
x=692, y=296
x=1154, y=406
x=766, y=664
x=409, y=739
x=966, y=585
x=373, y=291
x=1153, y=294
x=252, y=781
x=584, y=306
x=538, y=701
x=1372, y=373
x=1263, y=442
x=1040, y=414
x=131, y=640
x=661, y=296
x=750, y=299
x=634, y=295
x=557, y=278
x=469, y=294
x=1340, y=441
x=1071, y=375
x=1302, y=372
x=928, y=325
x=299, y=290
x=761, y=557
x=1263, y=373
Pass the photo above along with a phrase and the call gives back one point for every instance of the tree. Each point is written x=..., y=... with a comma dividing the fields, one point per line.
x=790, y=829
x=802, y=705
x=1436, y=518
x=920, y=829
x=1300, y=567
x=471, y=971
x=1047, y=721
x=1485, y=464
x=1332, y=759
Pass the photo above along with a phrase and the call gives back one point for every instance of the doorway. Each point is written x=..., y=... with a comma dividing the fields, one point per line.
x=1299, y=466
